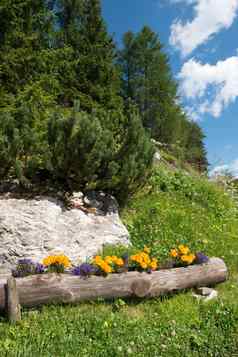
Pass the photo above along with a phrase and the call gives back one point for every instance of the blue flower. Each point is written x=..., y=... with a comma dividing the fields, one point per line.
x=84, y=270
x=39, y=268
x=27, y=267
x=201, y=258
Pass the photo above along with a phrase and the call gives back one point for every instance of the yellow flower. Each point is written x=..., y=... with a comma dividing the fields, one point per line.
x=106, y=268
x=183, y=249
x=188, y=258
x=109, y=260
x=174, y=253
x=191, y=258
x=97, y=259
x=119, y=262
x=153, y=265
x=57, y=259
x=146, y=249
x=144, y=265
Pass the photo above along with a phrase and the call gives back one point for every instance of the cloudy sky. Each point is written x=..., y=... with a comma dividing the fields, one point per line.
x=201, y=39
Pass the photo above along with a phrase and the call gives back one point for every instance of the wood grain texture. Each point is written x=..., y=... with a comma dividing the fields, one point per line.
x=46, y=288
x=12, y=301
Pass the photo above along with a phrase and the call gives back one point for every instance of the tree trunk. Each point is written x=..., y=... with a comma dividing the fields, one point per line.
x=46, y=288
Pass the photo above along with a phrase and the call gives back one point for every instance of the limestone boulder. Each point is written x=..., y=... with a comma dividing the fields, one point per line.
x=35, y=228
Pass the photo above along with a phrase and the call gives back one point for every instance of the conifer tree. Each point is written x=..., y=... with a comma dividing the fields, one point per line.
x=105, y=150
x=147, y=81
x=94, y=79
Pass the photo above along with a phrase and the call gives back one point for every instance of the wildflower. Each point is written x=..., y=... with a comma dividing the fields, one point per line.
x=184, y=250
x=103, y=264
x=119, y=262
x=57, y=259
x=109, y=260
x=56, y=263
x=144, y=265
x=188, y=258
x=39, y=268
x=174, y=253
x=27, y=267
x=201, y=258
x=154, y=264
x=84, y=270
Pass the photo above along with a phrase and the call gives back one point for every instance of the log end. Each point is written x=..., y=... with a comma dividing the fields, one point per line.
x=12, y=301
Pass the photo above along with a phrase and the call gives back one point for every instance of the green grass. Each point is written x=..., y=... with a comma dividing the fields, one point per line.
x=174, y=208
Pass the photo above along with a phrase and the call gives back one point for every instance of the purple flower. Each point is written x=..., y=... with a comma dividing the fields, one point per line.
x=201, y=258
x=25, y=262
x=27, y=267
x=84, y=270
x=39, y=268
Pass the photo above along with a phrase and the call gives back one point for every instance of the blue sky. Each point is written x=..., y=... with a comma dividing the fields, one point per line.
x=200, y=37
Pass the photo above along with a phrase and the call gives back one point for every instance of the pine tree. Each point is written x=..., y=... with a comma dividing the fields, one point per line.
x=195, y=149
x=94, y=78
x=147, y=80
x=27, y=90
x=103, y=150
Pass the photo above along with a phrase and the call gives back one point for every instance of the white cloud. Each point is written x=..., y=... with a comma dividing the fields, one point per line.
x=209, y=88
x=211, y=16
x=232, y=168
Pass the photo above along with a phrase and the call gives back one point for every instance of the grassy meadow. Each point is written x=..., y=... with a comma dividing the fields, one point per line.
x=173, y=208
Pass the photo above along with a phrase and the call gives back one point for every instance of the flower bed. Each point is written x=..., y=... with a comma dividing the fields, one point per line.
x=141, y=261
x=110, y=276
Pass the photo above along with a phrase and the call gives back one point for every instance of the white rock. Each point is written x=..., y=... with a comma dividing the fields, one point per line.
x=205, y=294
x=157, y=157
x=35, y=228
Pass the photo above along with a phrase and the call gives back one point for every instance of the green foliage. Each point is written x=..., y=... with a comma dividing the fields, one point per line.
x=52, y=54
x=23, y=132
x=166, y=326
x=102, y=150
x=92, y=76
x=177, y=208
x=147, y=81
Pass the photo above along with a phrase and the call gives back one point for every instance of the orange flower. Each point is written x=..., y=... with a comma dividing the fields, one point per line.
x=174, y=253
x=188, y=258
x=183, y=249
x=153, y=265
x=119, y=262
x=144, y=265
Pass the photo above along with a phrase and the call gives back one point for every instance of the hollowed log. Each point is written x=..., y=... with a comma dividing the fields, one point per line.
x=46, y=288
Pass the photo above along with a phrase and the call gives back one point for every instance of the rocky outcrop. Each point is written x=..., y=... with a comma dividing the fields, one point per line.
x=34, y=228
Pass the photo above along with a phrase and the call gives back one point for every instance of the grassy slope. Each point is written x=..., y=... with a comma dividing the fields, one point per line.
x=173, y=208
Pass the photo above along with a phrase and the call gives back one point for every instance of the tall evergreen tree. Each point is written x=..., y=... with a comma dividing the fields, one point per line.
x=25, y=29
x=147, y=80
x=195, y=151
x=94, y=79
x=26, y=86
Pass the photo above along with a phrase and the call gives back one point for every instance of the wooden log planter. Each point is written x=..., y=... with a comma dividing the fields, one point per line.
x=41, y=289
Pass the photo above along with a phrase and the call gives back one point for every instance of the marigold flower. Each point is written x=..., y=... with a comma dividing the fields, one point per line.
x=119, y=262
x=153, y=265
x=174, y=253
x=108, y=259
x=188, y=258
x=57, y=260
x=144, y=265
x=183, y=249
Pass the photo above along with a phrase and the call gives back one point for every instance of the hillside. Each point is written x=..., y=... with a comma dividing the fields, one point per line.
x=173, y=208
